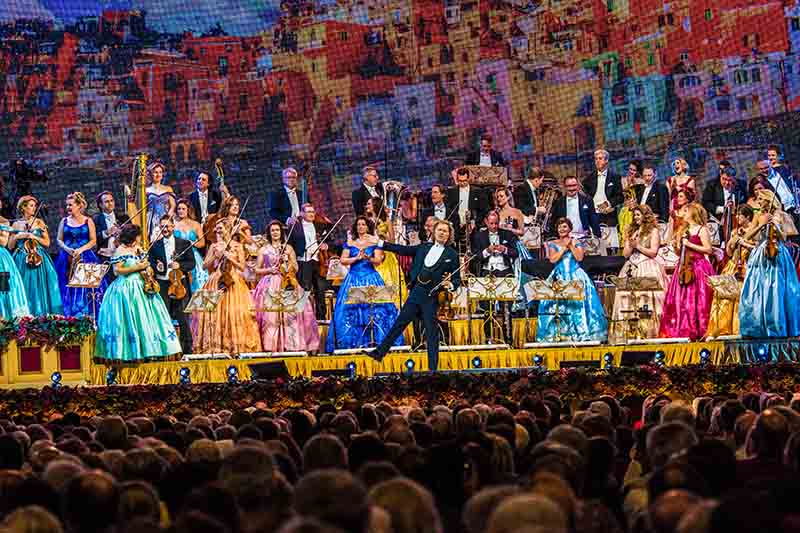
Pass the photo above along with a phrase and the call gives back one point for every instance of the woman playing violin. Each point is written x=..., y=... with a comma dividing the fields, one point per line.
x=131, y=324
x=230, y=211
x=14, y=302
x=231, y=326
x=30, y=244
x=288, y=331
x=768, y=306
x=76, y=238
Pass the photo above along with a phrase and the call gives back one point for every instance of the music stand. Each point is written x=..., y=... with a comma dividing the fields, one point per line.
x=557, y=291
x=636, y=285
x=203, y=301
x=493, y=290
x=89, y=276
x=371, y=295
x=281, y=302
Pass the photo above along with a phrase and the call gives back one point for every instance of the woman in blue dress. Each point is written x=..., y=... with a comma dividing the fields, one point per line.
x=133, y=325
x=160, y=200
x=350, y=327
x=770, y=298
x=578, y=320
x=35, y=267
x=14, y=302
x=187, y=227
x=77, y=238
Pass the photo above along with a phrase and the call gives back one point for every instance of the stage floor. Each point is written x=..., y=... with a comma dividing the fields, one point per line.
x=720, y=352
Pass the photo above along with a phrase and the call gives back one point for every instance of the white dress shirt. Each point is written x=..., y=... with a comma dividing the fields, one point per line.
x=782, y=190
x=111, y=220
x=433, y=255
x=535, y=198
x=600, y=194
x=463, y=203
x=169, y=253
x=202, y=199
x=574, y=213
x=486, y=160
x=646, y=193
x=292, y=194
x=440, y=211
x=310, y=233
x=496, y=261
x=372, y=191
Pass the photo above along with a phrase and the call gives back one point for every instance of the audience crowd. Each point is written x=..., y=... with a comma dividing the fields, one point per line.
x=718, y=465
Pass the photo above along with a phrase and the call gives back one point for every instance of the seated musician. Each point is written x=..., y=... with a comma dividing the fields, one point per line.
x=305, y=238
x=498, y=250
x=469, y=202
x=577, y=207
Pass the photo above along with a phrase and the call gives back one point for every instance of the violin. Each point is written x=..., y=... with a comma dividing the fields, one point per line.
x=772, y=241
x=686, y=273
x=150, y=283
x=226, y=279
x=445, y=310
x=288, y=273
x=176, y=290
x=32, y=256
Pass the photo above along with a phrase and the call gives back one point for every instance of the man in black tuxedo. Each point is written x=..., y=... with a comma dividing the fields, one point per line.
x=526, y=196
x=467, y=202
x=432, y=263
x=284, y=204
x=305, y=238
x=107, y=221
x=439, y=209
x=167, y=254
x=205, y=200
x=498, y=250
x=604, y=187
x=485, y=156
x=653, y=194
x=724, y=191
x=577, y=207
x=370, y=188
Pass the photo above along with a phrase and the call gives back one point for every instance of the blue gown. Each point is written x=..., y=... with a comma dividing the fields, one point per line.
x=158, y=205
x=770, y=302
x=580, y=320
x=349, y=326
x=131, y=325
x=77, y=302
x=199, y=274
x=41, y=282
x=14, y=303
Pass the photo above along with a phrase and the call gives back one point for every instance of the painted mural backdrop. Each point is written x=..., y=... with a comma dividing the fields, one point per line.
x=408, y=85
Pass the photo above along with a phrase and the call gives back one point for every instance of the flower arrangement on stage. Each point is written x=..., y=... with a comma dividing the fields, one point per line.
x=425, y=390
x=46, y=331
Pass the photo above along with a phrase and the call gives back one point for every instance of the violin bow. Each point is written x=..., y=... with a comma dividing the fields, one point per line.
x=327, y=235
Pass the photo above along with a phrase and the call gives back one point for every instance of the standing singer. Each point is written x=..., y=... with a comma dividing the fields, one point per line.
x=432, y=263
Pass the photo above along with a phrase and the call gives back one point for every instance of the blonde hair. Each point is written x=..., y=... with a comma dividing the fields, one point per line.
x=24, y=200
x=78, y=198
x=771, y=199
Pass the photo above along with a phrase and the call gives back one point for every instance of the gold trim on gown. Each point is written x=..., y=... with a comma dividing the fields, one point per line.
x=232, y=326
x=724, y=316
x=392, y=275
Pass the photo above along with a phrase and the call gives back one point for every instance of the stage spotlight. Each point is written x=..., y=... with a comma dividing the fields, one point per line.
x=55, y=379
x=185, y=375
x=705, y=355
x=763, y=354
x=476, y=362
x=233, y=375
x=538, y=360
x=608, y=359
x=111, y=376
x=351, y=368
x=658, y=359
x=409, y=364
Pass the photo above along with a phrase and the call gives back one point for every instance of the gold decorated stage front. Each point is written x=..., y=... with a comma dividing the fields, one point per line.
x=31, y=366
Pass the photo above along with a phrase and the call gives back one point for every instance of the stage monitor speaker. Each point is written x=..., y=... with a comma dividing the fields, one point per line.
x=636, y=358
x=267, y=371
x=580, y=364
